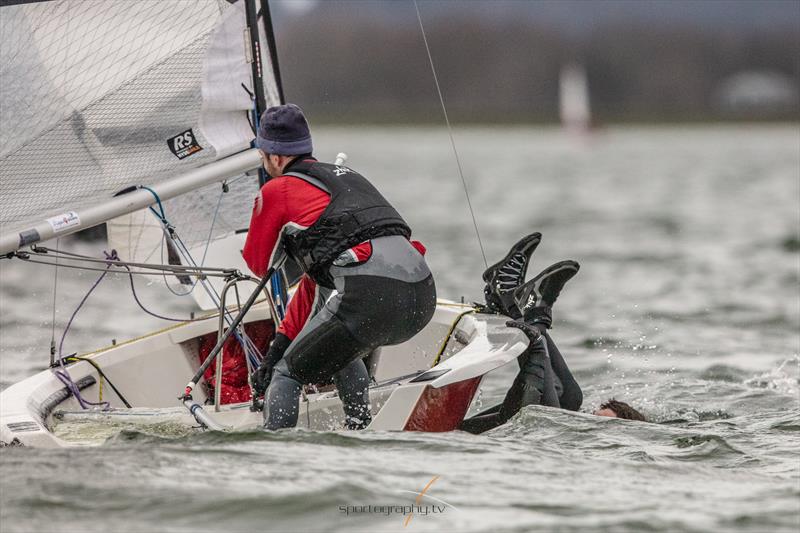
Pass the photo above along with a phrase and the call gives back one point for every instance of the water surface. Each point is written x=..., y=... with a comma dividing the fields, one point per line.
x=686, y=306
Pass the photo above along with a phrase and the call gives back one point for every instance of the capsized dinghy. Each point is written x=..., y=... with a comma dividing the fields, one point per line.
x=424, y=384
x=140, y=115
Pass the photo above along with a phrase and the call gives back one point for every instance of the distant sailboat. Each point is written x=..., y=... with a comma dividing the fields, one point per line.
x=576, y=115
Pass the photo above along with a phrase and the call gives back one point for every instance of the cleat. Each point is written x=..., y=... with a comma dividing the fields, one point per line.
x=503, y=278
x=535, y=298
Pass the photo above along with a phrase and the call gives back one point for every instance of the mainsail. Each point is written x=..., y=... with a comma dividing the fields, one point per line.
x=97, y=97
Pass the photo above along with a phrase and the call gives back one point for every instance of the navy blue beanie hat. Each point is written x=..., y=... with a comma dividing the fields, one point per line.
x=283, y=130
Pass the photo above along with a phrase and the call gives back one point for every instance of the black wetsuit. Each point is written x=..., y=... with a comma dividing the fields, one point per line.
x=383, y=301
x=543, y=379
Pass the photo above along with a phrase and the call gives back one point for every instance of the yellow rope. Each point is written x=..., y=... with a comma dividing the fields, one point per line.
x=100, y=379
x=447, y=337
x=210, y=315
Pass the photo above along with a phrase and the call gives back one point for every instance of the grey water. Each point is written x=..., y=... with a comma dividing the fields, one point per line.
x=687, y=306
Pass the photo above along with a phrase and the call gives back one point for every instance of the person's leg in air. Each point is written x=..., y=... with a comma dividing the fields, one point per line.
x=505, y=276
x=537, y=382
x=570, y=395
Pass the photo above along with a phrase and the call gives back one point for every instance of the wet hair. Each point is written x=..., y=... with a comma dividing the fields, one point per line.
x=623, y=410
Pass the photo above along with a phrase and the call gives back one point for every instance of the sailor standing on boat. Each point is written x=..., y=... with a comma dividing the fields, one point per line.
x=365, y=284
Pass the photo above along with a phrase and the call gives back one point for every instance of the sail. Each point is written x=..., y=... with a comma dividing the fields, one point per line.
x=574, y=99
x=96, y=97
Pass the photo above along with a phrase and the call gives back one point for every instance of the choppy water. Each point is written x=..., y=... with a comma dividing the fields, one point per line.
x=687, y=305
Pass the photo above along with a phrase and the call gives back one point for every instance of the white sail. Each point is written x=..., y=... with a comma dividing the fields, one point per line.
x=96, y=97
x=574, y=99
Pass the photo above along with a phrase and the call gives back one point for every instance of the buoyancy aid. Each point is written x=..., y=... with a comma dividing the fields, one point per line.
x=356, y=213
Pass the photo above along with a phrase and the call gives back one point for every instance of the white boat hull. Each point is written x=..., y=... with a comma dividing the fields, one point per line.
x=425, y=383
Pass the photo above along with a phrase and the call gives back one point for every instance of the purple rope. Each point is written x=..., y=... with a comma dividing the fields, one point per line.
x=151, y=313
x=63, y=374
x=65, y=378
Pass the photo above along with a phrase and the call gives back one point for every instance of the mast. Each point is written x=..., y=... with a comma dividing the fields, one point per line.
x=255, y=57
x=273, y=50
x=260, y=102
x=277, y=279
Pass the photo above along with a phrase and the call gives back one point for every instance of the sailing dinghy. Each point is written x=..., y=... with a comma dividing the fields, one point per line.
x=140, y=115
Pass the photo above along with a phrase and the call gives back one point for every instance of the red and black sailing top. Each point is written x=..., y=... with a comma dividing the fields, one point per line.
x=290, y=201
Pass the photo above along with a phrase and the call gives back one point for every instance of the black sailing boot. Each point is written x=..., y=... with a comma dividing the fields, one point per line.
x=536, y=298
x=505, y=276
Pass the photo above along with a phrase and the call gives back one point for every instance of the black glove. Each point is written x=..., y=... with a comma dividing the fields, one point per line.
x=261, y=377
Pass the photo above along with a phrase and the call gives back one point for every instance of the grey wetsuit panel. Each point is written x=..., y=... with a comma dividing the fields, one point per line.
x=385, y=300
x=392, y=257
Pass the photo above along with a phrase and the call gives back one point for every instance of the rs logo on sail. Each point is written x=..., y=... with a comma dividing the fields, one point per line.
x=184, y=144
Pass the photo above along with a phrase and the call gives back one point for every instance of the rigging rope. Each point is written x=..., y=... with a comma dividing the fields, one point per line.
x=450, y=132
x=63, y=374
x=151, y=313
x=53, y=321
x=111, y=260
x=25, y=256
x=173, y=235
x=103, y=376
x=39, y=251
x=164, y=275
x=173, y=269
x=253, y=354
x=213, y=223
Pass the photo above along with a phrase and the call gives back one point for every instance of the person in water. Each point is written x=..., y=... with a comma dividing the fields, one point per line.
x=544, y=377
x=365, y=284
x=617, y=409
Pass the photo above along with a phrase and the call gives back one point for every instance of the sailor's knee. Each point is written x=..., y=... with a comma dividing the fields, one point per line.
x=282, y=371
